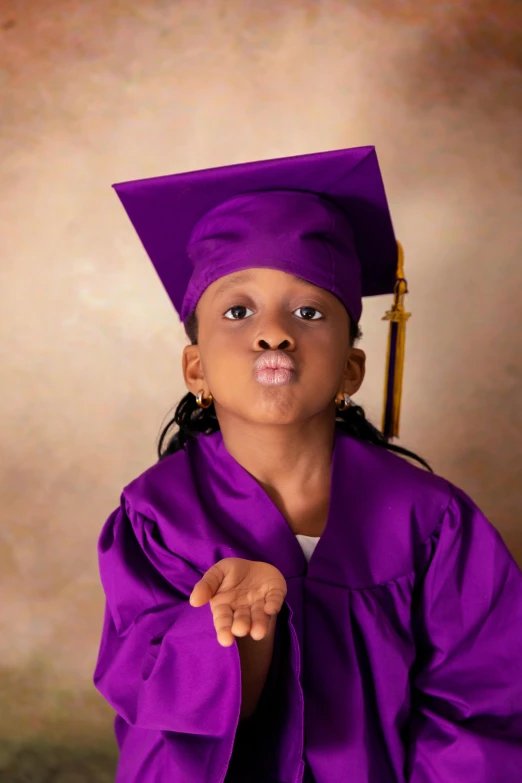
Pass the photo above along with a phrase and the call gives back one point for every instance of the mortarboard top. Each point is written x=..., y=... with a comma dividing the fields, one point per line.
x=323, y=217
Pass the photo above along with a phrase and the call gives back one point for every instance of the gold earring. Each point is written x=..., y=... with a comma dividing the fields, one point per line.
x=343, y=402
x=203, y=402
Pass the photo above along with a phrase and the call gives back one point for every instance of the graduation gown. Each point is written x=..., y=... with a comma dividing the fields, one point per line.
x=398, y=655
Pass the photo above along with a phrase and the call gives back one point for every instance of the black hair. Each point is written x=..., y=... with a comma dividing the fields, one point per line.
x=191, y=420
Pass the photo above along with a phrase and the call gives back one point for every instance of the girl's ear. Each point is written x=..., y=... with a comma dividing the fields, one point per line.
x=192, y=369
x=355, y=371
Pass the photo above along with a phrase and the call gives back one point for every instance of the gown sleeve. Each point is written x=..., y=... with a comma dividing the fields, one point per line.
x=467, y=683
x=160, y=666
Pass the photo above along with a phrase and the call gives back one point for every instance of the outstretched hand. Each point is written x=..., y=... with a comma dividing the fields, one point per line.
x=243, y=595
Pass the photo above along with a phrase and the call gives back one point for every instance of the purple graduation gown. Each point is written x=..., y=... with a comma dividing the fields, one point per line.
x=398, y=652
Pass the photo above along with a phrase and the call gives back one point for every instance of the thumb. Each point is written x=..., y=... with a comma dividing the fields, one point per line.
x=207, y=586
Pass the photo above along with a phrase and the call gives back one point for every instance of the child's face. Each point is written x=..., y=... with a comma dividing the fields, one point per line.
x=249, y=313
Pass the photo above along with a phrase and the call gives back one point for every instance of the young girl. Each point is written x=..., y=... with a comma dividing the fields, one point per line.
x=287, y=599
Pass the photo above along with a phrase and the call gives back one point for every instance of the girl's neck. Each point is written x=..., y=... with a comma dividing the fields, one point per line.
x=292, y=463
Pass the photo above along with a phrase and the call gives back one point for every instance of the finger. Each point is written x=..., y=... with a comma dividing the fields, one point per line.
x=223, y=618
x=242, y=621
x=226, y=638
x=260, y=620
x=274, y=600
x=201, y=594
x=207, y=586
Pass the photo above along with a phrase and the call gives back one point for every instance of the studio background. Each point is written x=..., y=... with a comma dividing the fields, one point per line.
x=96, y=92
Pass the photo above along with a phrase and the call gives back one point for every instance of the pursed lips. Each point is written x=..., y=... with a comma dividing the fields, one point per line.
x=274, y=368
x=274, y=360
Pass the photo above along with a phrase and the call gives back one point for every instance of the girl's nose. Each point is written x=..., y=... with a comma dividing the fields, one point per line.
x=274, y=336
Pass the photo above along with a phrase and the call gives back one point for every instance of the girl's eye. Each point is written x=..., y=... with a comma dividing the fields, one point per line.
x=238, y=313
x=309, y=313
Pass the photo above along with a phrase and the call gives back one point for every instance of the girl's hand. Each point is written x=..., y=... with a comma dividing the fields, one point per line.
x=243, y=595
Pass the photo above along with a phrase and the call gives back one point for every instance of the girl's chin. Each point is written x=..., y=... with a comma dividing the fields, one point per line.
x=274, y=406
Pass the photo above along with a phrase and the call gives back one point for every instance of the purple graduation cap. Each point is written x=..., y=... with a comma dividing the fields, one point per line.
x=322, y=217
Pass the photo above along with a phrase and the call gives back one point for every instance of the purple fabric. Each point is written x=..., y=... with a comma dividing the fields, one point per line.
x=323, y=217
x=294, y=232
x=399, y=655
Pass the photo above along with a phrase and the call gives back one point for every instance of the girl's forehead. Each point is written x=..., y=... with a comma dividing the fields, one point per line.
x=265, y=278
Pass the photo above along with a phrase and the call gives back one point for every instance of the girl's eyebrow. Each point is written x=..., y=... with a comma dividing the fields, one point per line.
x=306, y=283
x=231, y=282
x=245, y=277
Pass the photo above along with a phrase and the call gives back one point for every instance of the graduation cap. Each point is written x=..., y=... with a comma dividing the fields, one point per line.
x=322, y=217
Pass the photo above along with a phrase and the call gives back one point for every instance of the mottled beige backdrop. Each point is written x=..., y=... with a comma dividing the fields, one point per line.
x=95, y=92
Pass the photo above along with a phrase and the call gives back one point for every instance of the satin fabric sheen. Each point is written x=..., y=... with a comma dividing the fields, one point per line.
x=398, y=655
x=322, y=216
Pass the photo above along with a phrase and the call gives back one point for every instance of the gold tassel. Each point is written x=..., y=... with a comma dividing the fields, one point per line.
x=397, y=317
